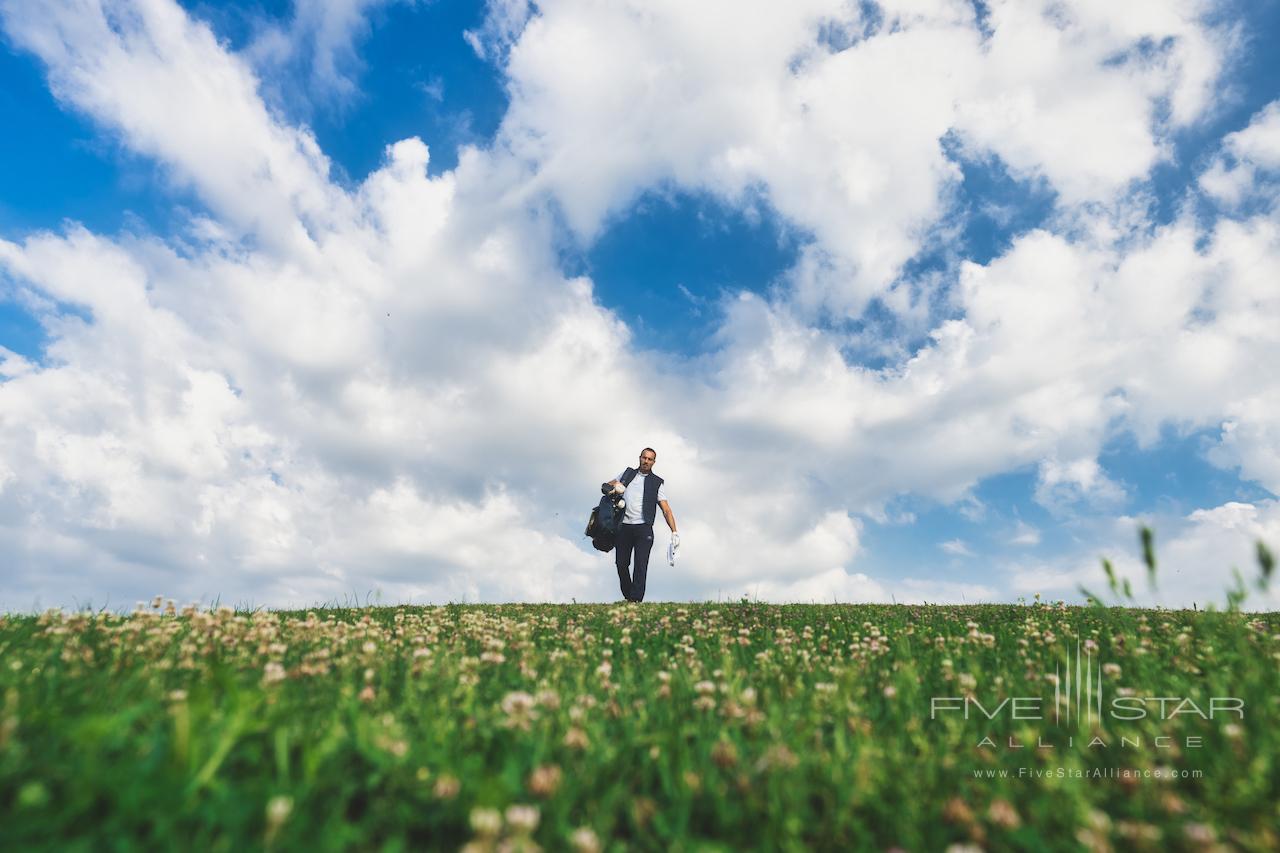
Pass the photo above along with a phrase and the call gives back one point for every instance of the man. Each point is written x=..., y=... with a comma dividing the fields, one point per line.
x=644, y=493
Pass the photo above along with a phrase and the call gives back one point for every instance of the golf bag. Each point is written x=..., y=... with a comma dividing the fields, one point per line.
x=602, y=526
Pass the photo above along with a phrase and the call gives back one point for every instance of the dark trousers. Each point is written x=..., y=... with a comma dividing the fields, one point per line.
x=638, y=538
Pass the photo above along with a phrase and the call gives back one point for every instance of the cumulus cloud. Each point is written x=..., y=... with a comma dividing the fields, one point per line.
x=1062, y=484
x=1061, y=345
x=265, y=412
x=833, y=586
x=838, y=587
x=238, y=407
x=835, y=113
x=1249, y=162
x=319, y=390
x=1196, y=557
x=1071, y=90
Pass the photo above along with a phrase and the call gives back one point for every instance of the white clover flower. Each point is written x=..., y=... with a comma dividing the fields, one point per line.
x=522, y=819
x=519, y=708
x=584, y=840
x=486, y=823
x=278, y=810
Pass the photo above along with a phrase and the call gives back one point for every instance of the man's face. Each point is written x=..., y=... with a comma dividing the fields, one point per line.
x=646, y=462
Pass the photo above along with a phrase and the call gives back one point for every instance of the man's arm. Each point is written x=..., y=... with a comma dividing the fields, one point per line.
x=668, y=515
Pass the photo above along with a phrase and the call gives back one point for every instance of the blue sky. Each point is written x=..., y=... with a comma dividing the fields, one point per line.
x=775, y=281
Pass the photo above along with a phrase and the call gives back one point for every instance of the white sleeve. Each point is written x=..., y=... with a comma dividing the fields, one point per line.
x=620, y=476
x=662, y=492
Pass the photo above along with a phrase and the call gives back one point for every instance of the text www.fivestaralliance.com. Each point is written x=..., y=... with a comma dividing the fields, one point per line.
x=1086, y=773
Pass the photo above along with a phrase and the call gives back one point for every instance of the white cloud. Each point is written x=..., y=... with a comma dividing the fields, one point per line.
x=845, y=141
x=318, y=44
x=956, y=548
x=1060, y=347
x=836, y=586
x=504, y=21
x=1070, y=90
x=1024, y=534
x=1063, y=483
x=971, y=508
x=268, y=413
x=934, y=591
x=161, y=80
x=1195, y=558
x=833, y=586
x=320, y=391
x=1246, y=155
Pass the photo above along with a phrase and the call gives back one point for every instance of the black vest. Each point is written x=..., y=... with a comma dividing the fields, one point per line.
x=649, y=508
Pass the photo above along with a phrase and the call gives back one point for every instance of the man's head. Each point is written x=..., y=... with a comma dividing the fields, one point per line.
x=647, y=457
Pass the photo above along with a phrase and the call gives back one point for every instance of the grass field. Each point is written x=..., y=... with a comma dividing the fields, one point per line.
x=651, y=727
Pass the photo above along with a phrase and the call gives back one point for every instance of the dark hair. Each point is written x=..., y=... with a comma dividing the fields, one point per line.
x=651, y=450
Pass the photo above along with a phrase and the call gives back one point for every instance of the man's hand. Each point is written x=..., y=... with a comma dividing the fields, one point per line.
x=618, y=488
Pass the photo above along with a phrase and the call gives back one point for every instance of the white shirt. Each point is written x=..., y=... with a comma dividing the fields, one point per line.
x=634, y=496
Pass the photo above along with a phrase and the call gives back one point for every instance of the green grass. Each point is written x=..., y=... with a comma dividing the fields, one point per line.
x=650, y=727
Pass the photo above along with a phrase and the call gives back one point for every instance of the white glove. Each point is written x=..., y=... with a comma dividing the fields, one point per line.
x=675, y=539
x=618, y=488
x=673, y=548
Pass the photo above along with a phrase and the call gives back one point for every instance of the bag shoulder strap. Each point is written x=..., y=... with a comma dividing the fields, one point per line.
x=627, y=476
